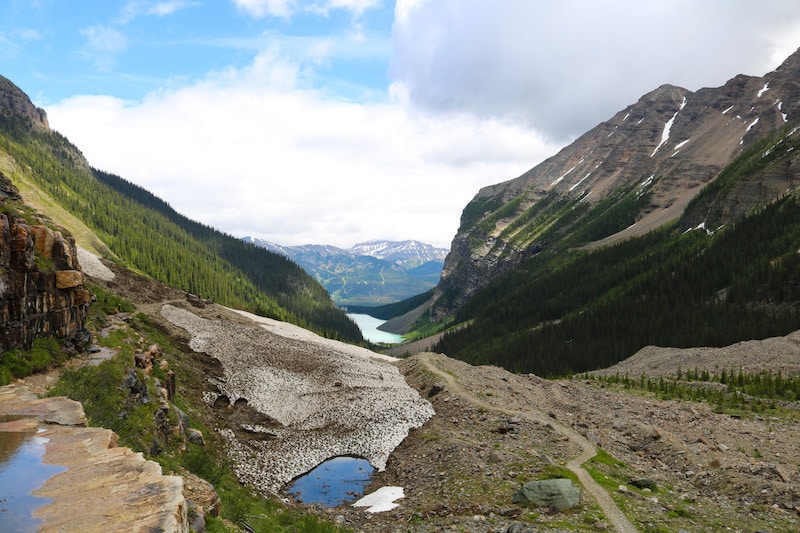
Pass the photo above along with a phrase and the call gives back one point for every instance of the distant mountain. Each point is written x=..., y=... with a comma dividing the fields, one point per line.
x=369, y=273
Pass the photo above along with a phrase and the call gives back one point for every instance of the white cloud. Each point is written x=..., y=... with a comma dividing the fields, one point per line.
x=286, y=8
x=262, y=8
x=102, y=45
x=481, y=91
x=563, y=67
x=163, y=9
x=249, y=152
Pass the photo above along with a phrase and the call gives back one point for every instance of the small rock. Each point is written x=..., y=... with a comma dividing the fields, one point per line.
x=195, y=436
x=519, y=527
x=600, y=525
x=623, y=488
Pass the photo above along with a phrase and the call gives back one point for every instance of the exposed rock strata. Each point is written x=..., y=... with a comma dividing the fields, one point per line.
x=41, y=283
x=325, y=398
x=104, y=487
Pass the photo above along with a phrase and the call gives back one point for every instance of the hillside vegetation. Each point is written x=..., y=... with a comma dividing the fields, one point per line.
x=569, y=310
x=575, y=311
x=146, y=234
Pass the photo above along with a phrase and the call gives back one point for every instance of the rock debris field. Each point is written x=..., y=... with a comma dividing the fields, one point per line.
x=320, y=398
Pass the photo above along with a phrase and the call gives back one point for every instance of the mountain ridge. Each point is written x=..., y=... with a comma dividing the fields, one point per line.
x=374, y=272
x=638, y=165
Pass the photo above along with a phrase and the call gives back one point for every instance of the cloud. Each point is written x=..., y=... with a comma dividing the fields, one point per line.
x=252, y=152
x=102, y=46
x=163, y=9
x=262, y=8
x=480, y=92
x=286, y=8
x=562, y=67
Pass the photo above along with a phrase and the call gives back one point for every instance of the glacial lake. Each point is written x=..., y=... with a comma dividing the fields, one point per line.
x=369, y=329
x=336, y=481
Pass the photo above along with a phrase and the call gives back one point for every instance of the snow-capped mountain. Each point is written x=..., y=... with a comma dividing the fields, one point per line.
x=373, y=272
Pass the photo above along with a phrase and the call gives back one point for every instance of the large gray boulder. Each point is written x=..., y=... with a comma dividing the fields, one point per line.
x=556, y=493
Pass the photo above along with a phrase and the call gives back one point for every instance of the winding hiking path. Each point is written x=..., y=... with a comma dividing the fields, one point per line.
x=603, y=498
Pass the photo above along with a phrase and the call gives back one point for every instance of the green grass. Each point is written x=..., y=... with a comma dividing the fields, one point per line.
x=18, y=363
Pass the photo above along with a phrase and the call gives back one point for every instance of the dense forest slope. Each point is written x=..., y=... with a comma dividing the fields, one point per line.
x=590, y=256
x=146, y=234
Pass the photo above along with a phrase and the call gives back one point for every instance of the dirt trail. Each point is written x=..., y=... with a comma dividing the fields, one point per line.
x=604, y=500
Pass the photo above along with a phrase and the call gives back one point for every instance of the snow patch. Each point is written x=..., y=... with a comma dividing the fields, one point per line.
x=731, y=107
x=564, y=175
x=763, y=90
x=92, y=266
x=752, y=124
x=667, y=127
x=579, y=182
x=626, y=117
x=784, y=115
x=381, y=500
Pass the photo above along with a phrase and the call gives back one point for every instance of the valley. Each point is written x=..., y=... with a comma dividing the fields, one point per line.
x=491, y=431
x=639, y=269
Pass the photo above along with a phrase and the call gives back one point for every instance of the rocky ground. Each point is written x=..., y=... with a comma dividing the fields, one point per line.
x=492, y=431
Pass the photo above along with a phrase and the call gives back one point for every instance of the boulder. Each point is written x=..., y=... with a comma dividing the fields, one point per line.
x=554, y=493
x=195, y=436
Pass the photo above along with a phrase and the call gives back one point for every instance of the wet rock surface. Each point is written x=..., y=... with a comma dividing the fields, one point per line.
x=104, y=487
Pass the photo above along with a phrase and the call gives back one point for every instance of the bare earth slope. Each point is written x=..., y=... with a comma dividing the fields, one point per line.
x=773, y=354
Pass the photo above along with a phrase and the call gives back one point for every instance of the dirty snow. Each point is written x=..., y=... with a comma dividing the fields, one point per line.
x=327, y=398
x=91, y=265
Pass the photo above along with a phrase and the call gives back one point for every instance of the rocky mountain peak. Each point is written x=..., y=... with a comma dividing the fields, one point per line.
x=14, y=102
x=657, y=153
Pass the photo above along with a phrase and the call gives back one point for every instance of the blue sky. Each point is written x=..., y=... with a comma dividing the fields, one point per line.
x=339, y=121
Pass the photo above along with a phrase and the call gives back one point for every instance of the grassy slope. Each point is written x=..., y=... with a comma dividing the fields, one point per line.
x=147, y=235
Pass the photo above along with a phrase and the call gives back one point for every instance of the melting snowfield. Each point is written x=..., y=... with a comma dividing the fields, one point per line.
x=330, y=398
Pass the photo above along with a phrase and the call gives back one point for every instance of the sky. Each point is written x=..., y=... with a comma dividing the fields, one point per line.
x=341, y=121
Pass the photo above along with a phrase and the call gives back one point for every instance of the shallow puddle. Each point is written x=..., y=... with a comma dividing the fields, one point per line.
x=21, y=472
x=336, y=481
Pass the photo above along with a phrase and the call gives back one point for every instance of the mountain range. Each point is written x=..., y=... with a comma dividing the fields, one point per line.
x=370, y=273
x=580, y=261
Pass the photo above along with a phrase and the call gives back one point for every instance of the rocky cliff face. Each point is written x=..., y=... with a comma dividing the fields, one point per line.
x=655, y=155
x=15, y=102
x=41, y=283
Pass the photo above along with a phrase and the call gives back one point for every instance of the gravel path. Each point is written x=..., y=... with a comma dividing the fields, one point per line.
x=588, y=450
